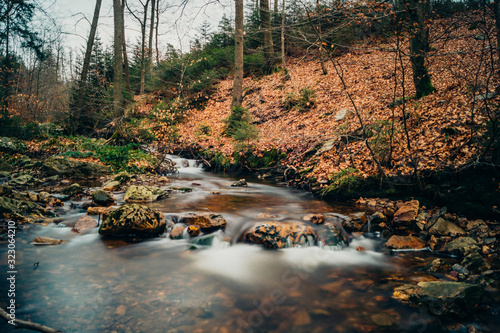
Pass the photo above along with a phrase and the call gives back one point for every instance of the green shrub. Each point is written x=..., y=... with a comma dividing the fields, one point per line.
x=203, y=129
x=303, y=102
x=239, y=117
x=343, y=182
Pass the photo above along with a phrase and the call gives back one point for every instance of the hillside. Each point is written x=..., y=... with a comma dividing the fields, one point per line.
x=442, y=127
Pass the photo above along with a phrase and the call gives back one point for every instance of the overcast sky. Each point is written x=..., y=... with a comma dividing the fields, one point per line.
x=74, y=17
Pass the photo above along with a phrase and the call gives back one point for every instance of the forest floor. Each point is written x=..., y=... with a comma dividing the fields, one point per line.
x=369, y=88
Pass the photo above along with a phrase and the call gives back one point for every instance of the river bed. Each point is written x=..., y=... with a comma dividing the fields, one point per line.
x=91, y=284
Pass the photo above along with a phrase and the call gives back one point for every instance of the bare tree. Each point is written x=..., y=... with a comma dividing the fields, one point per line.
x=118, y=54
x=238, y=55
x=151, y=33
x=419, y=45
x=265, y=19
x=142, y=22
x=125, y=56
x=86, y=59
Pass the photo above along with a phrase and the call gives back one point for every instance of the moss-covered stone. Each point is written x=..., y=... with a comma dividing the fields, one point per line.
x=57, y=165
x=102, y=198
x=132, y=221
x=276, y=235
x=73, y=189
x=140, y=194
x=20, y=210
x=206, y=222
x=330, y=235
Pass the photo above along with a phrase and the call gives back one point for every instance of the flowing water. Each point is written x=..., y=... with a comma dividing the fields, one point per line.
x=90, y=284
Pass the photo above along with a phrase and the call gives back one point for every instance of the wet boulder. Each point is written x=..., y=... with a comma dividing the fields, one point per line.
x=57, y=165
x=404, y=242
x=405, y=216
x=73, y=189
x=315, y=218
x=461, y=247
x=133, y=220
x=103, y=211
x=113, y=185
x=277, y=235
x=177, y=232
x=206, y=222
x=330, y=235
x=355, y=221
x=442, y=297
x=141, y=194
x=239, y=183
x=102, y=198
x=84, y=224
x=41, y=240
x=444, y=227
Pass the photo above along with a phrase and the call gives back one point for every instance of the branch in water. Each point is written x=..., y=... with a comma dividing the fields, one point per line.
x=27, y=324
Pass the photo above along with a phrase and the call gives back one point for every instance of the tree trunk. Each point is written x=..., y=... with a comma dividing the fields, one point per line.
x=238, y=55
x=118, y=54
x=156, y=32
x=143, y=49
x=125, y=56
x=320, y=49
x=496, y=7
x=276, y=7
x=283, y=59
x=151, y=32
x=419, y=46
x=86, y=62
x=265, y=19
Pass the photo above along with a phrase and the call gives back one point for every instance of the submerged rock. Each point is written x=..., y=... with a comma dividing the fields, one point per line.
x=40, y=240
x=57, y=165
x=315, y=218
x=133, y=220
x=442, y=298
x=241, y=182
x=102, y=198
x=330, y=235
x=206, y=222
x=141, y=194
x=84, y=223
x=177, y=232
x=276, y=235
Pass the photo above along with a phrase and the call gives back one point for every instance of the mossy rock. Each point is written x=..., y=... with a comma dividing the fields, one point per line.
x=141, y=194
x=20, y=210
x=332, y=236
x=73, y=189
x=56, y=165
x=133, y=221
x=102, y=198
x=276, y=235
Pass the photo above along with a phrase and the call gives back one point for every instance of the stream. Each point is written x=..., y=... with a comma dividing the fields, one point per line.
x=91, y=284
